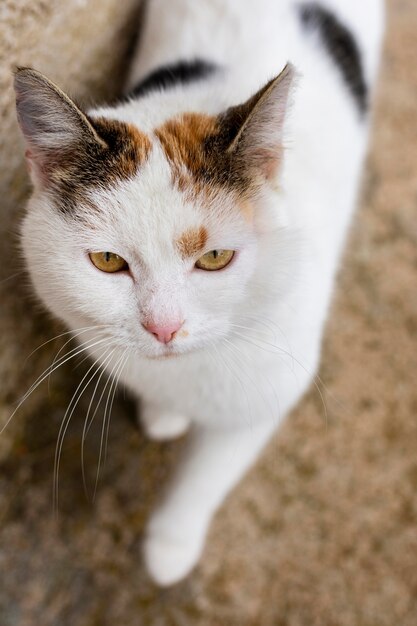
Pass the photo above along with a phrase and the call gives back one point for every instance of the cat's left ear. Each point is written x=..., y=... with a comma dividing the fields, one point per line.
x=256, y=127
x=54, y=128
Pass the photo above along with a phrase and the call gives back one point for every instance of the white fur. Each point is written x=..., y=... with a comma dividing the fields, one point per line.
x=235, y=390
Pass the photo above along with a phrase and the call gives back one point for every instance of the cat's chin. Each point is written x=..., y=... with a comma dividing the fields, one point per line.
x=164, y=357
x=172, y=355
x=173, y=352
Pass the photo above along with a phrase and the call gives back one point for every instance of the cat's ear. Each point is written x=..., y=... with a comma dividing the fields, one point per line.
x=52, y=124
x=256, y=127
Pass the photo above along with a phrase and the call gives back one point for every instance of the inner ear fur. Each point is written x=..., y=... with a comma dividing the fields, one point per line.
x=253, y=131
x=51, y=123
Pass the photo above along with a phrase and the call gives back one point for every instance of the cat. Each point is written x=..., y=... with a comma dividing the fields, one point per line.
x=192, y=231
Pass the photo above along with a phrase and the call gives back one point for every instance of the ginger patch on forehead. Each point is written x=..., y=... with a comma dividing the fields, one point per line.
x=192, y=242
x=196, y=148
x=182, y=139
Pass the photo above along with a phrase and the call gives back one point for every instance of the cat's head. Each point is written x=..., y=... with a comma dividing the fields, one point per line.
x=168, y=237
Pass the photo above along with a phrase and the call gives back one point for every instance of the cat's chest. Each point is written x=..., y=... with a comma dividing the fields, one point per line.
x=227, y=385
x=221, y=385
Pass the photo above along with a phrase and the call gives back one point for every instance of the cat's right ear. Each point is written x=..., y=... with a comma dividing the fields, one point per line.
x=254, y=129
x=53, y=126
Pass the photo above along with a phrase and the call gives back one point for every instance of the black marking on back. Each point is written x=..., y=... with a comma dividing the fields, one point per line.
x=341, y=46
x=180, y=73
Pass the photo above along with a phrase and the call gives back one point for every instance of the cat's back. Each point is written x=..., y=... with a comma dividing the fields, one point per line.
x=256, y=39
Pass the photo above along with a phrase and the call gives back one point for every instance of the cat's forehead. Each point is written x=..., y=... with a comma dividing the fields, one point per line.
x=153, y=212
x=193, y=144
x=165, y=182
x=184, y=139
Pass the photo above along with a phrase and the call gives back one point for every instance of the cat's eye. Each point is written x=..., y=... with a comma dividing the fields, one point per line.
x=108, y=262
x=215, y=260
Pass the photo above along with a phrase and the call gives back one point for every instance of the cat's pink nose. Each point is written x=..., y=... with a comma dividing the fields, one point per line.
x=163, y=332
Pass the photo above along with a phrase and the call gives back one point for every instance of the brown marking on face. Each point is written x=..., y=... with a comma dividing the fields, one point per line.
x=195, y=145
x=247, y=209
x=192, y=242
x=123, y=149
x=196, y=148
x=182, y=139
x=183, y=333
x=128, y=147
x=238, y=150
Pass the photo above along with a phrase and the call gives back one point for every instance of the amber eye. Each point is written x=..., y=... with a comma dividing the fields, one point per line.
x=215, y=260
x=108, y=262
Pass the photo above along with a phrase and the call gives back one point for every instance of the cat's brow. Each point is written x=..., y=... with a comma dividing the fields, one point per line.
x=192, y=242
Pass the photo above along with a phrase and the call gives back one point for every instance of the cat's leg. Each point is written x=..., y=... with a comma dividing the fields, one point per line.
x=162, y=425
x=214, y=463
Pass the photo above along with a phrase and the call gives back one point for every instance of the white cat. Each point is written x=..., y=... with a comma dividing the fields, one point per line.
x=196, y=227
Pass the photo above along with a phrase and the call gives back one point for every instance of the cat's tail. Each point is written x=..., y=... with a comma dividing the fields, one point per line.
x=366, y=20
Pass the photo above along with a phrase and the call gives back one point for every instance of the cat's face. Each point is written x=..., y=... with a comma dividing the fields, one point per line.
x=160, y=237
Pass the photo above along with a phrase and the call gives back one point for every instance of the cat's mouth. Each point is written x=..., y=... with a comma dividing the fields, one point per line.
x=168, y=351
x=173, y=351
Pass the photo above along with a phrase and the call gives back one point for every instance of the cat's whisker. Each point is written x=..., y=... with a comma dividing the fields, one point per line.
x=241, y=353
x=273, y=327
x=250, y=328
x=230, y=361
x=106, y=417
x=64, y=359
x=56, y=363
x=73, y=353
x=69, y=341
x=67, y=418
x=222, y=357
x=294, y=359
x=110, y=380
x=118, y=374
x=317, y=377
x=74, y=333
x=265, y=321
x=272, y=348
x=84, y=359
x=15, y=275
x=87, y=422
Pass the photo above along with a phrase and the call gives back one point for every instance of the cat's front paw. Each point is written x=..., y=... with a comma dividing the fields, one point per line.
x=169, y=560
x=163, y=425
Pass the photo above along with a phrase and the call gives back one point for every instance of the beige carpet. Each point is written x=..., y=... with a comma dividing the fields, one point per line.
x=323, y=531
